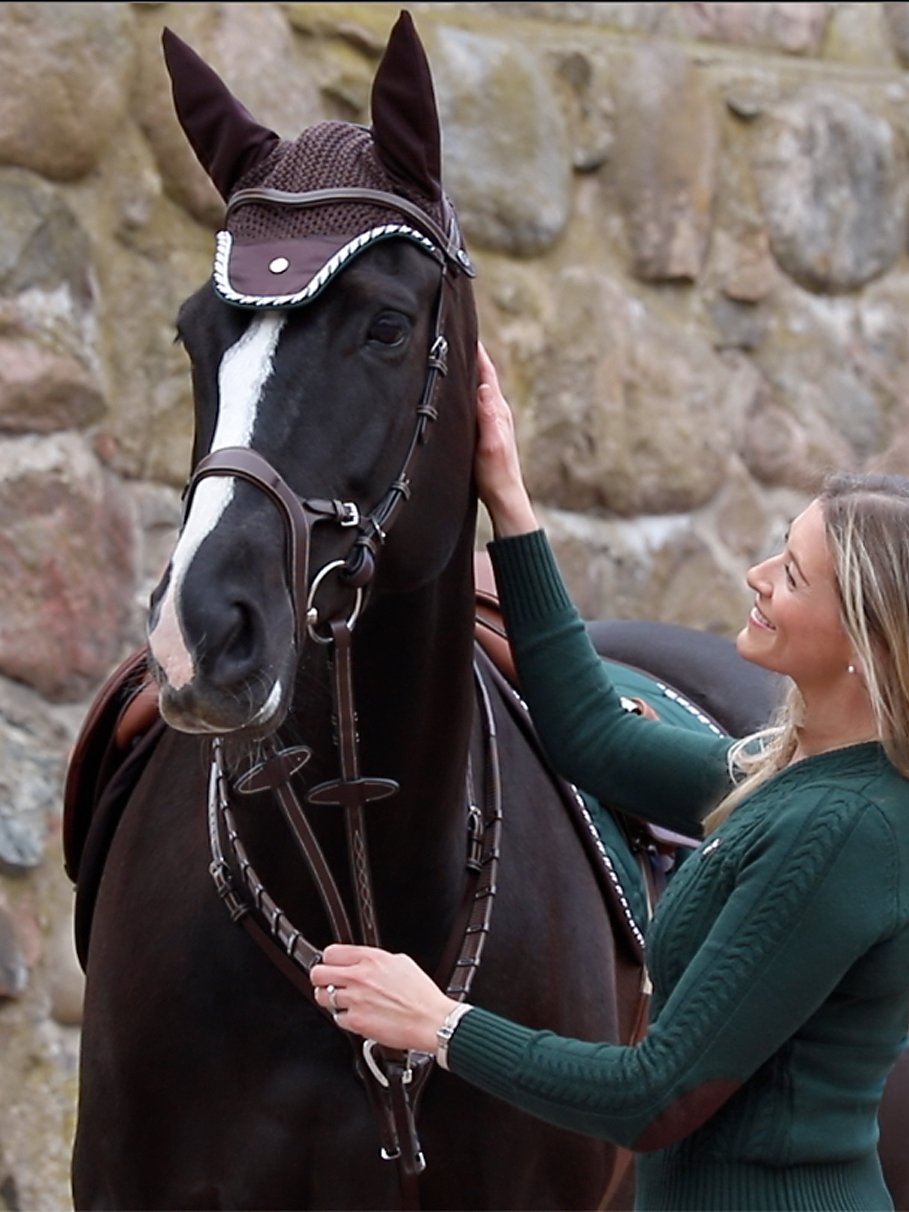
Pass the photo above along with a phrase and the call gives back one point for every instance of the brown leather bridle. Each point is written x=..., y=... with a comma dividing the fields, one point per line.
x=394, y=1079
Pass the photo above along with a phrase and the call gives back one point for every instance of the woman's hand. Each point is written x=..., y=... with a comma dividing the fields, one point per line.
x=381, y=996
x=497, y=465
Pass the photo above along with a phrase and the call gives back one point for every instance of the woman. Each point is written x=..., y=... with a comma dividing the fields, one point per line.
x=780, y=952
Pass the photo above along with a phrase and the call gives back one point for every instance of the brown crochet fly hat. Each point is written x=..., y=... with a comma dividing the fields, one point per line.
x=298, y=210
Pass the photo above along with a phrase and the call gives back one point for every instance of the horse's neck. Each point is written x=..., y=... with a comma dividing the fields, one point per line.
x=415, y=685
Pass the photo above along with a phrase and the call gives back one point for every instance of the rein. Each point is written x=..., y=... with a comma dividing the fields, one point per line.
x=394, y=1079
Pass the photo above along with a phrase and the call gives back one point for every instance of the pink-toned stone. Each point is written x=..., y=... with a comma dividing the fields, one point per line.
x=42, y=390
x=68, y=547
x=796, y=29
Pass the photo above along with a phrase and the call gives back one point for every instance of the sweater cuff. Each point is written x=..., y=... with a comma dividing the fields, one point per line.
x=486, y=1049
x=528, y=578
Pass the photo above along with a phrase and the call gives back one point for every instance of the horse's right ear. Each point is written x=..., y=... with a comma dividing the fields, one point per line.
x=227, y=140
x=405, y=118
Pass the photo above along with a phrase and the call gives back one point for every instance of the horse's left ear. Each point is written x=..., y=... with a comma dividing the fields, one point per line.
x=226, y=138
x=405, y=119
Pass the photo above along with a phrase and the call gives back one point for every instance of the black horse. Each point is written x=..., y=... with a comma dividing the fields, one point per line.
x=337, y=757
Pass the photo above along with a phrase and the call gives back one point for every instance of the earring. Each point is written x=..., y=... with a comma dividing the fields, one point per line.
x=850, y=669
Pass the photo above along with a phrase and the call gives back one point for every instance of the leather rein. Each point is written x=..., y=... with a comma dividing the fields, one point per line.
x=394, y=1079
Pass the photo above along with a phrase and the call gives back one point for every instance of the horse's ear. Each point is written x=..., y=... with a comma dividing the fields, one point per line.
x=405, y=120
x=226, y=138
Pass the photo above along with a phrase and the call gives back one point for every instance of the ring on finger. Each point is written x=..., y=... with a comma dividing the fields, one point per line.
x=332, y=999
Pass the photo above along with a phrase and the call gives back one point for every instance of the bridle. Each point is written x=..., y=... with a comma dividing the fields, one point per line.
x=394, y=1079
x=299, y=514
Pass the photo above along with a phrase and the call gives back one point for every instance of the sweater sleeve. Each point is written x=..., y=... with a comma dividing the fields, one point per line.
x=662, y=773
x=784, y=938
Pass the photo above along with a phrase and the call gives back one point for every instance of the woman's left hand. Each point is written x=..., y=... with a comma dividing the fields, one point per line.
x=381, y=996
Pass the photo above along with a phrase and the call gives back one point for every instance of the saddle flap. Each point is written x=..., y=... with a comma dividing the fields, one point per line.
x=123, y=708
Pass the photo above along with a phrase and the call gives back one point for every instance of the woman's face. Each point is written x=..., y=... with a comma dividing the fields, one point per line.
x=795, y=626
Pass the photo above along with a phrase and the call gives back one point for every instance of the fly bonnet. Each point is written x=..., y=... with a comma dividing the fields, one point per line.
x=298, y=210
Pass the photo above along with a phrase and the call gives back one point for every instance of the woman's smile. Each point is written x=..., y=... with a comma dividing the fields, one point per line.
x=759, y=619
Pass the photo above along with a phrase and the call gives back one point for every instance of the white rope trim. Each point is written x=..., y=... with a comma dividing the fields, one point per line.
x=224, y=243
x=601, y=850
x=690, y=707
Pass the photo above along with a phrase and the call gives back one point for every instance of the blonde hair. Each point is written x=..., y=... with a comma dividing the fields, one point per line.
x=867, y=524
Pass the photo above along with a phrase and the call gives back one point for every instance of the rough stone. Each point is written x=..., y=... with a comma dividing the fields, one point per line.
x=796, y=29
x=33, y=745
x=67, y=551
x=834, y=186
x=42, y=390
x=896, y=16
x=508, y=156
x=66, y=71
x=45, y=247
x=665, y=160
x=13, y=971
x=630, y=422
x=862, y=36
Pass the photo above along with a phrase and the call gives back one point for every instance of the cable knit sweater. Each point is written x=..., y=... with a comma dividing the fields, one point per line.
x=779, y=953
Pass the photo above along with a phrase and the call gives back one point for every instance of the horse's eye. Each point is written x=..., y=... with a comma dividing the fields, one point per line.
x=388, y=329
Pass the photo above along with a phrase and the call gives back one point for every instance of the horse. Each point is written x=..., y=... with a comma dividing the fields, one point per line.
x=333, y=753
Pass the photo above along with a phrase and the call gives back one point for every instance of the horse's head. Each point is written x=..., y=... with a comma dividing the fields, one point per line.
x=336, y=336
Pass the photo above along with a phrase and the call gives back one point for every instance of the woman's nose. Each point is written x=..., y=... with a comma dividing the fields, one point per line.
x=758, y=577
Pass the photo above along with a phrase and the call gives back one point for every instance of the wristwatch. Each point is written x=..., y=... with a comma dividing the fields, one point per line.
x=447, y=1030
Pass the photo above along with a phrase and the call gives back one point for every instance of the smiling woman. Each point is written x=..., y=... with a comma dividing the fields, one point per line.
x=830, y=612
x=796, y=628
x=779, y=953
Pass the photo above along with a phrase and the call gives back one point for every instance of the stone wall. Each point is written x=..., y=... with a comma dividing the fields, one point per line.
x=690, y=224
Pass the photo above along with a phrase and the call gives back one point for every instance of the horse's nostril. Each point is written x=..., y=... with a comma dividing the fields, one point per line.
x=240, y=643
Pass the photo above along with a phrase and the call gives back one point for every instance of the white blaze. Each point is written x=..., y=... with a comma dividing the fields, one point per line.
x=244, y=371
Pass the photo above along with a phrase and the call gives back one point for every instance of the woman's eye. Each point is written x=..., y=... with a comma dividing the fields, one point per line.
x=388, y=330
x=790, y=579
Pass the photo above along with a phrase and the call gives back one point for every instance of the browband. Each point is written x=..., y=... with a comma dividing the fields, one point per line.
x=449, y=243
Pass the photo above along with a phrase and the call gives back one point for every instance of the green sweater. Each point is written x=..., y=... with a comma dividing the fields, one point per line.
x=779, y=953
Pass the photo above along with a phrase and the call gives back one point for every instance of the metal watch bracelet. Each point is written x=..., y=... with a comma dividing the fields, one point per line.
x=447, y=1030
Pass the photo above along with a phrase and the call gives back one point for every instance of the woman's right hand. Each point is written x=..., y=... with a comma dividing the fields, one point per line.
x=497, y=464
